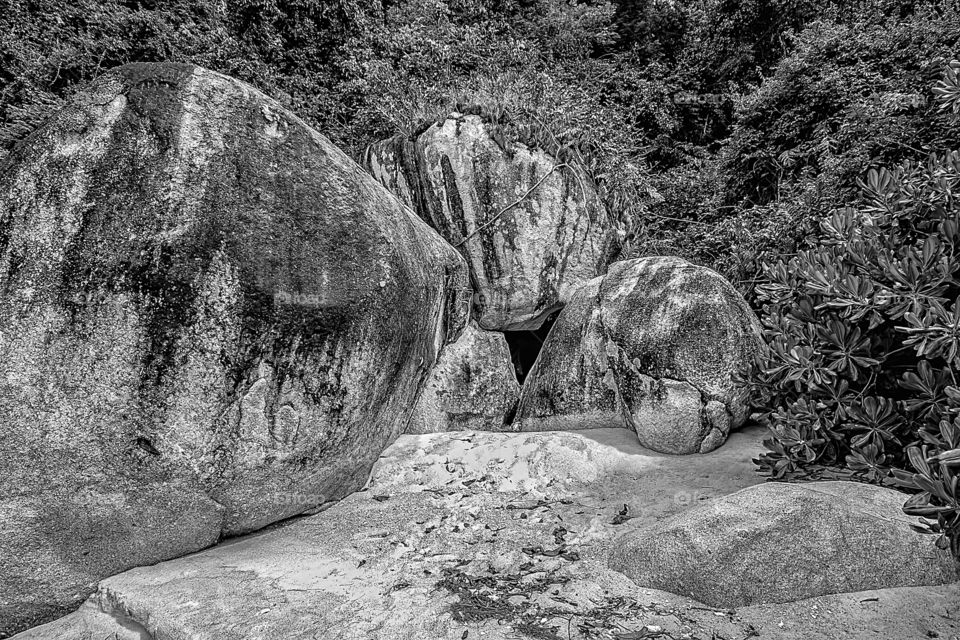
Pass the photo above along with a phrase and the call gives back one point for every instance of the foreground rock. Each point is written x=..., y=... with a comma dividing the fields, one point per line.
x=652, y=346
x=211, y=319
x=357, y=569
x=404, y=559
x=782, y=542
x=529, y=261
x=472, y=386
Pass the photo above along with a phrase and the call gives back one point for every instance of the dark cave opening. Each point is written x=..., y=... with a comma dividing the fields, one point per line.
x=525, y=346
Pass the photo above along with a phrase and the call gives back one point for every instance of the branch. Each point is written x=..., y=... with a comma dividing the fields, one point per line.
x=509, y=206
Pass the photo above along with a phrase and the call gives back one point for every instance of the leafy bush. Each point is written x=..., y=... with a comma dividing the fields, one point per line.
x=863, y=340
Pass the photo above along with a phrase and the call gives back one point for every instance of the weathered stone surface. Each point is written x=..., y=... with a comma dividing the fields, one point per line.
x=651, y=346
x=472, y=386
x=597, y=465
x=529, y=261
x=781, y=542
x=210, y=319
x=371, y=567
x=432, y=500
x=57, y=543
x=392, y=163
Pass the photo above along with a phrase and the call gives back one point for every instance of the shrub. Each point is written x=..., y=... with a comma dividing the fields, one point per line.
x=863, y=340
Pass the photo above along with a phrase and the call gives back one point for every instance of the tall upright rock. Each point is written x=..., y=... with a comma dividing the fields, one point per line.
x=532, y=229
x=210, y=319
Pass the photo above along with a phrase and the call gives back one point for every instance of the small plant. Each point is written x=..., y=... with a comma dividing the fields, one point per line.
x=863, y=344
x=947, y=90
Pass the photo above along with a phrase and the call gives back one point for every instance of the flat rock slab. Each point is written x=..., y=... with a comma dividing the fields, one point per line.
x=427, y=553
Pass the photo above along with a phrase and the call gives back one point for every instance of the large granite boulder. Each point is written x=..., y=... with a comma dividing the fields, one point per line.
x=210, y=319
x=472, y=386
x=651, y=346
x=780, y=542
x=529, y=261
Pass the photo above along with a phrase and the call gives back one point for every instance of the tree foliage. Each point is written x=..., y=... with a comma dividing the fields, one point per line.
x=852, y=90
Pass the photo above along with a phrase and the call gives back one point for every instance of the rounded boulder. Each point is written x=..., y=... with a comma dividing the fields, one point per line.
x=653, y=346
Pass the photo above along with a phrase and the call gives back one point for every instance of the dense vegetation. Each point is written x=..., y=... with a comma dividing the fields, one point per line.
x=799, y=147
x=864, y=343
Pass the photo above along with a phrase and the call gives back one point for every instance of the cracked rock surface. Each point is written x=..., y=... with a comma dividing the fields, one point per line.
x=212, y=319
x=652, y=346
x=511, y=542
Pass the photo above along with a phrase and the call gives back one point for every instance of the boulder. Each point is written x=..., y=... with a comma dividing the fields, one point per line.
x=472, y=386
x=211, y=319
x=781, y=542
x=652, y=346
x=526, y=258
